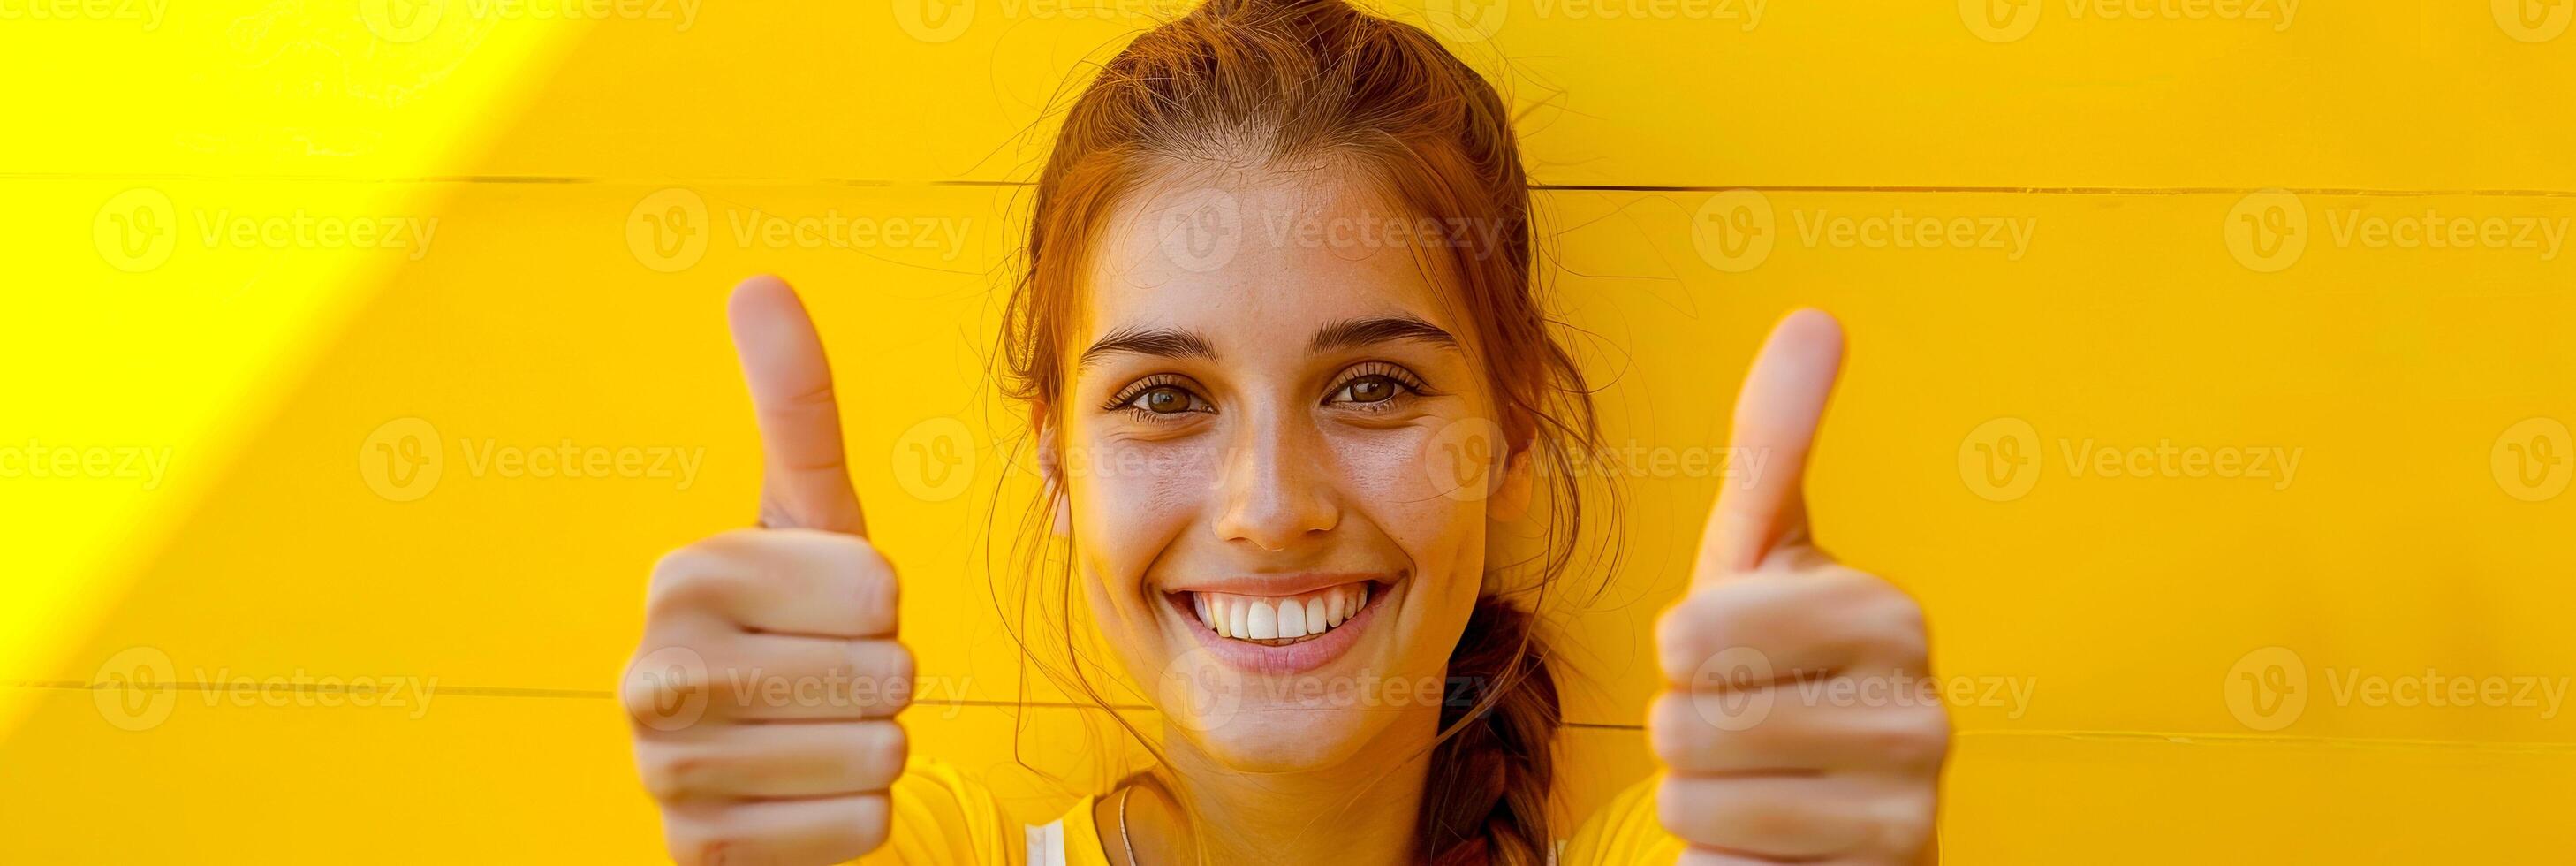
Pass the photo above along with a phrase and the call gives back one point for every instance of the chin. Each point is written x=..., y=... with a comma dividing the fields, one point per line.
x=1288, y=739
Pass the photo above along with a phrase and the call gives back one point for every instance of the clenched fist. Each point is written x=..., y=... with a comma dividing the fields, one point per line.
x=1776, y=746
x=764, y=692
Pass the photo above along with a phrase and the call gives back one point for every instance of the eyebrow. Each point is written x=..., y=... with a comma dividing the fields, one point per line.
x=1154, y=342
x=1351, y=333
x=1348, y=333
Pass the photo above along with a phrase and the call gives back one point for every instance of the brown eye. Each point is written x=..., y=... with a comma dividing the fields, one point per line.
x=1165, y=401
x=1370, y=389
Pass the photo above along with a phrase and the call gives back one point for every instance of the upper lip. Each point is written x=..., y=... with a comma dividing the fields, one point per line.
x=1276, y=584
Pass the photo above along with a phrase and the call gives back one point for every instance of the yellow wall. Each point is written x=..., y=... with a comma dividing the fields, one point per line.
x=2417, y=542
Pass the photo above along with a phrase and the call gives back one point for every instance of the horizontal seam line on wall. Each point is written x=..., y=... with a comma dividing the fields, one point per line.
x=1538, y=187
x=2168, y=737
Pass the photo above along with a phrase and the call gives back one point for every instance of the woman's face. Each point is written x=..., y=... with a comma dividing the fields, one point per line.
x=1279, y=454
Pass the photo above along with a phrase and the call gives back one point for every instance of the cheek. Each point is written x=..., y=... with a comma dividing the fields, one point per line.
x=1131, y=502
x=1441, y=526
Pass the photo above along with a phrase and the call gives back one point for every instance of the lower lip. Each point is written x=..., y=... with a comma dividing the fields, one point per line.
x=1295, y=658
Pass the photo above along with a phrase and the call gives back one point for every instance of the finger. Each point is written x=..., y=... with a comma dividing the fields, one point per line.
x=823, y=830
x=778, y=761
x=770, y=677
x=1845, y=725
x=1775, y=818
x=787, y=581
x=805, y=477
x=1776, y=415
x=1803, y=625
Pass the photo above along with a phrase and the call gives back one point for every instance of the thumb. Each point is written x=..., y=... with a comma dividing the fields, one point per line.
x=1764, y=506
x=805, y=478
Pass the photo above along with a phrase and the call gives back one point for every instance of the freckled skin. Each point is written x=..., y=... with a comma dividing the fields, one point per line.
x=1274, y=475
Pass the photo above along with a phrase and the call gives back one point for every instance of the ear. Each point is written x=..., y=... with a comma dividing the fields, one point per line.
x=1051, y=469
x=1511, y=495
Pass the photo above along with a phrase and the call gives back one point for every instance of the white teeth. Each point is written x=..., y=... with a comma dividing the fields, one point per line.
x=1264, y=621
x=1264, y=618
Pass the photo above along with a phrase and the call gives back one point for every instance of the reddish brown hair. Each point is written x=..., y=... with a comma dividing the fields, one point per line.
x=1292, y=84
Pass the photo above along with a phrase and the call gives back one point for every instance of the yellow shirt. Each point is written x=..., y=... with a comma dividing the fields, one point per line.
x=942, y=817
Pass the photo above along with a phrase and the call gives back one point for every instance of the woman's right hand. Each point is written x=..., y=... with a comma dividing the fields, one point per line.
x=764, y=691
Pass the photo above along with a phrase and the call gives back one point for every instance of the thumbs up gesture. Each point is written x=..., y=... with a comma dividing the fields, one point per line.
x=764, y=692
x=1776, y=745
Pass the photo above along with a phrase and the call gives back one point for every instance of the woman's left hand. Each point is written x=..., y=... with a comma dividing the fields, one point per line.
x=1798, y=723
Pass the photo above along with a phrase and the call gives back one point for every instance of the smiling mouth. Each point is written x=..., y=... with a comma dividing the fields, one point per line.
x=1278, y=620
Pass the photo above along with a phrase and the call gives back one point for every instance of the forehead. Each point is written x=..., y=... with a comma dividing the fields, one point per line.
x=1268, y=257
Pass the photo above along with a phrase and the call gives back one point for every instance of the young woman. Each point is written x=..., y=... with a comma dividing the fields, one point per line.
x=1280, y=463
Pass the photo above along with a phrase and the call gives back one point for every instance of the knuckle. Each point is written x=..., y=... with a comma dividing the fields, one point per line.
x=671, y=569
x=1922, y=743
x=697, y=843
x=709, y=852
x=1680, y=811
x=1669, y=729
x=649, y=695
x=674, y=775
x=900, y=671
x=641, y=699
x=1845, y=586
x=689, y=580
x=874, y=822
x=1888, y=619
x=1672, y=638
x=1685, y=635
x=888, y=748
x=855, y=568
x=1902, y=614
x=1904, y=822
x=1900, y=745
x=877, y=590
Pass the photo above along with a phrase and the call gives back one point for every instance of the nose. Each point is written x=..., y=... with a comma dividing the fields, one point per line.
x=1277, y=489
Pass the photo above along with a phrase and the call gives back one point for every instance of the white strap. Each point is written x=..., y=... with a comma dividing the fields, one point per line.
x=1046, y=845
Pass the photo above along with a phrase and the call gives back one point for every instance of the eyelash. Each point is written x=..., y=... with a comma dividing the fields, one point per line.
x=1403, y=378
x=1128, y=399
